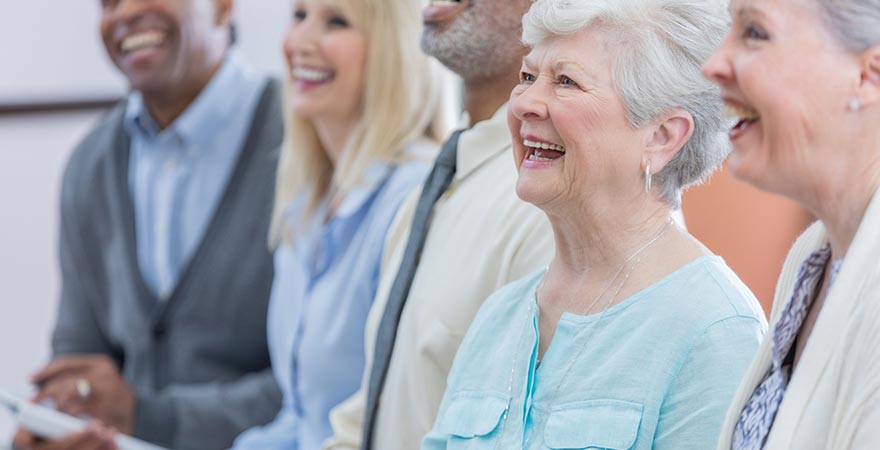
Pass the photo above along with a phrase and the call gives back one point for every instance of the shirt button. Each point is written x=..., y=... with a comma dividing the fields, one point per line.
x=169, y=165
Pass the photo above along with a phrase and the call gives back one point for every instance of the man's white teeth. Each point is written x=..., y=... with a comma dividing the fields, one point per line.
x=302, y=73
x=543, y=145
x=740, y=113
x=142, y=40
x=445, y=2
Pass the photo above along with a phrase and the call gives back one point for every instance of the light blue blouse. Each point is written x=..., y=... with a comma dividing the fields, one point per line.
x=656, y=372
x=324, y=286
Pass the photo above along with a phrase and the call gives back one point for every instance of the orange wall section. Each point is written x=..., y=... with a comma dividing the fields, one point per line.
x=751, y=229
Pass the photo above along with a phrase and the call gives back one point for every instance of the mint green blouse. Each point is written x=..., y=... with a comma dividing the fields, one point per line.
x=656, y=372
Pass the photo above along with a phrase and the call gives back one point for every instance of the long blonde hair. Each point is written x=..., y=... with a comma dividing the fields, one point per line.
x=401, y=102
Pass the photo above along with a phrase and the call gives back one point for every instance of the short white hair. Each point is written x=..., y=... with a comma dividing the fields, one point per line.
x=659, y=47
x=856, y=23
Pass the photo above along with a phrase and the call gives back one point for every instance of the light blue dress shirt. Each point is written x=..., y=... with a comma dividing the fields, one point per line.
x=656, y=372
x=177, y=176
x=324, y=286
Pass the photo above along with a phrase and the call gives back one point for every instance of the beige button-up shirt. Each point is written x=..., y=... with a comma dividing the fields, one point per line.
x=482, y=237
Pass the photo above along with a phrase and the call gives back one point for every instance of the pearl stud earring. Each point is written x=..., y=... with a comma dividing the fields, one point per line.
x=854, y=105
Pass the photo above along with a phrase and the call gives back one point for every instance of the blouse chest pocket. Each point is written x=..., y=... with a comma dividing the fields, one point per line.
x=594, y=424
x=472, y=419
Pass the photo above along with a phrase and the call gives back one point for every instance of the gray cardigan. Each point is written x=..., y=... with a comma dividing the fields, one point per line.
x=199, y=362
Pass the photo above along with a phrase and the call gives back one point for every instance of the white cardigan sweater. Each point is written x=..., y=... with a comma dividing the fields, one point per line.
x=833, y=399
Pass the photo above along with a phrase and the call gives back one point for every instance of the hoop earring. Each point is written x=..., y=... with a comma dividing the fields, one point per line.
x=854, y=105
x=648, y=177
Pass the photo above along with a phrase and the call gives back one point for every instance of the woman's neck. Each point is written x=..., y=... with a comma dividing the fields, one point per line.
x=842, y=209
x=841, y=197
x=600, y=244
x=334, y=135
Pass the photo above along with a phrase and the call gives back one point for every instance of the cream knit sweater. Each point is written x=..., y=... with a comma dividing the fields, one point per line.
x=833, y=399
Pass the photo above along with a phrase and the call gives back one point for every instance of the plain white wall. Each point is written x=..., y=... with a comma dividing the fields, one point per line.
x=52, y=51
x=34, y=148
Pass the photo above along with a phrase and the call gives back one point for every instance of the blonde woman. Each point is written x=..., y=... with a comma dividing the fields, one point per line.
x=361, y=97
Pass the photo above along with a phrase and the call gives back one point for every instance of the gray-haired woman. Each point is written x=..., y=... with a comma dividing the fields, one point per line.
x=636, y=335
x=803, y=78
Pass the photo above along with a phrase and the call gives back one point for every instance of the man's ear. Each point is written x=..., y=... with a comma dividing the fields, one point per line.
x=670, y=133
x=869, y=88
x=223, y=10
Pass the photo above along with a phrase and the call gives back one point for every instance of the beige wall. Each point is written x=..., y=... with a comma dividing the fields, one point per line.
x=751, y=229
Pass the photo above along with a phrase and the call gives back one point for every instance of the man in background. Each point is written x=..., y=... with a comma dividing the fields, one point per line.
x=481, y=237
x=165, y=207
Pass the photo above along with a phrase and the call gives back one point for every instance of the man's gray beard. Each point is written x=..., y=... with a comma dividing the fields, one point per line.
x=473, y=50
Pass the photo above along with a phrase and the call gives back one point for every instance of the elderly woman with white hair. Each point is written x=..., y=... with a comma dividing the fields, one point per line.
x=636, y=336
x=803, y=79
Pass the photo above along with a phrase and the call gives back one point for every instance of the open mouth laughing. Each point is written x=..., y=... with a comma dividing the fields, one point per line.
x=745, y=117
x=308, y=77
x=142, y=40
x=540, y=153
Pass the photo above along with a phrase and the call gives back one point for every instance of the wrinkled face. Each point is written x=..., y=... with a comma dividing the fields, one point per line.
x=787, y=83
x=326, y=56
x=572, y=141
x=161, y=45
x=474, y=38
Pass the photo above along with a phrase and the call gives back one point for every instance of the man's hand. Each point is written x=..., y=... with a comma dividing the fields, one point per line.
x=88, y=385
x=95, y=437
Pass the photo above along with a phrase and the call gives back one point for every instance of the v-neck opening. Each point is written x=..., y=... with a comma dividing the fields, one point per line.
x=160, y=305
x=592, y=320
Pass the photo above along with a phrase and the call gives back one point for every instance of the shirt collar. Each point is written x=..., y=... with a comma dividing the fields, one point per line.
x=374, y=175
x=136, y=119
x=482, y=142
x=379, y=171
x=215, y=104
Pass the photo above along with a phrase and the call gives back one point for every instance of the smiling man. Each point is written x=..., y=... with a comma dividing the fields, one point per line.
x=164, y=213
x=480, y=236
